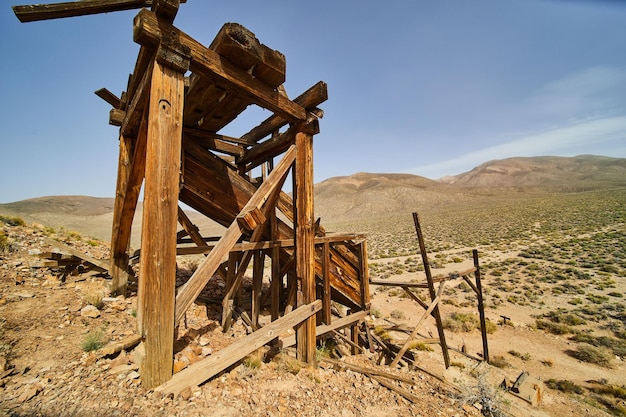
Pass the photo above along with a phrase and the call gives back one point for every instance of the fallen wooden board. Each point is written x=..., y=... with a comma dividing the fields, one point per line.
x=327, y=328
x=217, y=362
x=116, y=347
x=101, y=264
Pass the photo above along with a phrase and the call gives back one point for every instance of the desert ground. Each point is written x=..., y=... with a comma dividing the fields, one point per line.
x=553, y=263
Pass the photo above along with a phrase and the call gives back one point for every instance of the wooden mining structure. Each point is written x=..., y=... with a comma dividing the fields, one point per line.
x=179, y=96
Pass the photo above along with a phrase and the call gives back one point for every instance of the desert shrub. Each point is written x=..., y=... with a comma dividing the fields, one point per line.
x=376, y=312
x=461, y=322
x=95, y=299
x=554, y=328
x=12, y=221
x=417, y=345
x=523, y=356
x=591, y=354
x=491, y=403
x=597, y=299
x=93, y=340
x=615, y=391
x=397, y=314
x=565, y=386
x=616, y=346
x=499, y=361
x=4, y=242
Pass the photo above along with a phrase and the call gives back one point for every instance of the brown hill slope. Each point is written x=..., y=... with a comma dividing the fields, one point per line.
x=366, y=195
x=374, y=195
x=555, y=173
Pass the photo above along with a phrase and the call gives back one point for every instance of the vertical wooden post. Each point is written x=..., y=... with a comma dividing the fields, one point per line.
x=431, y=290
x=326, y=299
x=364, y=275
x=156, y=297
x=257, y=286
x=119, y=257
x=305, y=241
x=130, y=175
x=481, y=306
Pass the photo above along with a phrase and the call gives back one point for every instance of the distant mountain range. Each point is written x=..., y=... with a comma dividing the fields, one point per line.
x=368, y=194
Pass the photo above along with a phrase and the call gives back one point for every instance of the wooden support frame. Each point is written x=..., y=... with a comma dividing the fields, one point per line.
x=168, y=134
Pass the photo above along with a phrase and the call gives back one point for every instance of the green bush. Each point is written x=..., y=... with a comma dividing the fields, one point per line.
x=591, y=354
x=564, y=385
x=461, y=322
x=93, y=341
x=12, y=221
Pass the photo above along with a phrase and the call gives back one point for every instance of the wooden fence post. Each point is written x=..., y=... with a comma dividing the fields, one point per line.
x=481, y=306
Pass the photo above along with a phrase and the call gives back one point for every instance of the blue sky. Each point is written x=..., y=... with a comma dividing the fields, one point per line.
x=432, y=88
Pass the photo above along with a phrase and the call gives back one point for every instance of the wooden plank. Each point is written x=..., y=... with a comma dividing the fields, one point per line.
x=130, y=179
x=156, y=292
x=326, y=295
x=213, y=141
x=191, y=229
x=109, y=97
x=35, y=12
x=304, y=228
x=432, y=306
x=257, y=286
x=98, y=263
x=312, y=97
x=139, y=102
x=190, y=290
x=124, y=344
x=337, y=324
x=257, y=155
x=218, y=361
x=148, y=31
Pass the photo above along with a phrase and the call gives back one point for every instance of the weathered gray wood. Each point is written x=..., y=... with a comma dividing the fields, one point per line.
x=101, y=264
x=217, y=362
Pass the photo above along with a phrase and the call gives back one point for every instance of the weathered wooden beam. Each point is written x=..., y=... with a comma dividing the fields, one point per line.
x=217, y=362
x=434, y=303
x=190, y=228
x=337, y=324
x=149, y=31
x=36, y=12
x=312, y=97
x=190, y=290
x=213, y=141
x=131, y=172
x=240, y=46
x=304, y=239
x=139, y=102
x=109, y=97
x=481, y=305
x=431, y=290
x=258, y=154
x=101, y=264
x=156, y=292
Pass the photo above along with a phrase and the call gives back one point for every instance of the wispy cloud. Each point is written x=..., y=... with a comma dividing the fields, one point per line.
x=592, y=91
x=605, y=136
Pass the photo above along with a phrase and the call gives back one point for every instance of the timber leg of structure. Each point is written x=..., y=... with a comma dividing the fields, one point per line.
x=155, y=297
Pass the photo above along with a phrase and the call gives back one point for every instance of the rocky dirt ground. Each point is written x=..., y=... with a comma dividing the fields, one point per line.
x=47, y=319
x=46, y=322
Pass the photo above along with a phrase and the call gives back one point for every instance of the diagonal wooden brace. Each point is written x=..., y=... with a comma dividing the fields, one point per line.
x=192, y=288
